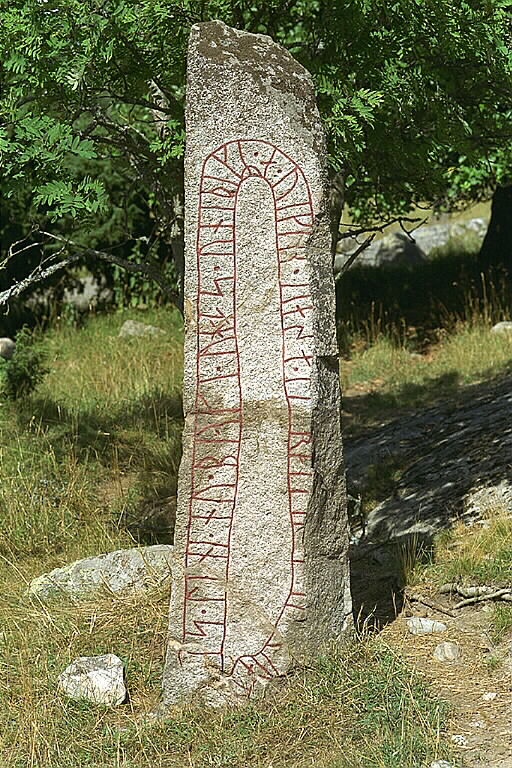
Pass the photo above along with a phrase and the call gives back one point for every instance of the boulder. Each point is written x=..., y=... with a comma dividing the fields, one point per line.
x=99, y=679
x=7, y=348
x=394, y=250
x=398, y=248
x=133, y=328
x=126, y=570
x=87, y=294
x=504, y=327
x=467, y=234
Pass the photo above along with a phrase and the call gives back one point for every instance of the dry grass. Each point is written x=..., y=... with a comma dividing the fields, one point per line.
x=477, y=554
x=356, y=707
x=103, y=433
x=380, y=380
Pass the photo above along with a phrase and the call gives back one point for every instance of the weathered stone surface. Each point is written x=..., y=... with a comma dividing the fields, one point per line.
x=99, y=679
x=260, y=572
x=88, y=293
x=449, y=451
x=7, y=348
x=124, y=570
x=420, y=626
x=398, y=249
x=393, y=250
x=504, y=327
x=133, y=328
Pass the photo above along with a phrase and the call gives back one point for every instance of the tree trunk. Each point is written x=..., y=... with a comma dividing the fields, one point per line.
x=496, y=250
x=336, y=202
x=178, y=243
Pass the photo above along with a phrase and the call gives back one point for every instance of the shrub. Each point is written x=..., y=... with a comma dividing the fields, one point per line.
x=20, y=375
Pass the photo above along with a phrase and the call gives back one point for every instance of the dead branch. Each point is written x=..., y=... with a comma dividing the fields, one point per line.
x=460, y=589
x=417, y=598
x=500, y=594
x=55, y=262
x=476, y=594
x=381, y=227
x=353, y=256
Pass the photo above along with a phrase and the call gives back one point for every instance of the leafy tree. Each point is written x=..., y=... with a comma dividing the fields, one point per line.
x=413, y=93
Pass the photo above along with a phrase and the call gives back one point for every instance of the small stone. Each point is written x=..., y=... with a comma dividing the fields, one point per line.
x=7, y=348
x=489, y=696
x=99, y=679
x=459, y=740
x=441, y=764
x=446, y=652
x=504, y=327
x=133, y=328
x=421, y=626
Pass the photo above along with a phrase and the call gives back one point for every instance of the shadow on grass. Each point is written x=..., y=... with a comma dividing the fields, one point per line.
x=153, y=417
x=419, y=298
x=363, y=410
x=140, y=440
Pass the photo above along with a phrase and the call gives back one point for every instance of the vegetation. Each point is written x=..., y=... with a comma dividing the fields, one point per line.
x=87, y=454
x=475, y=555
x=82, y=457
x=21, y=375
x=358, y=709
x=414, y=96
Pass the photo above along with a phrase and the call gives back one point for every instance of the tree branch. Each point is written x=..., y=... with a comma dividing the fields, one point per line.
x=46, y=268
x=353, y=256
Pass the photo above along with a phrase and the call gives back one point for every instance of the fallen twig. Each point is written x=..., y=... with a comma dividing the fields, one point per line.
x=417, y=598
x=464, y=591
x=500, y=594
x=476, y=594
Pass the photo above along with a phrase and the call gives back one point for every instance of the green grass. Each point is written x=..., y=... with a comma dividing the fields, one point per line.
x=392, y=377
x=476, y=555
x=411, y=304
x=357, y=707
x=107, y=416
x=97, y=443
x=480, y=554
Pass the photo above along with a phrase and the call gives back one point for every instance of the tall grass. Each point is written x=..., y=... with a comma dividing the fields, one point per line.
x=108, y=412
x=357, y=707
x=410, y=304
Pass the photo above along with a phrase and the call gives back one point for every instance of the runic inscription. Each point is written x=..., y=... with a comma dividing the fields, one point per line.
x=260, y=577
x=219, y=431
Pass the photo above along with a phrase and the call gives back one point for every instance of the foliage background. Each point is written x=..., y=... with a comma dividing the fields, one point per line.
x=414, y=95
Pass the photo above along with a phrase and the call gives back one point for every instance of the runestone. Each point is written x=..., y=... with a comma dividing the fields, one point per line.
x=260, y=574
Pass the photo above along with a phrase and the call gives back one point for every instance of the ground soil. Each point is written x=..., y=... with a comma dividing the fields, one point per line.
x=481, y=726
x=481, y=729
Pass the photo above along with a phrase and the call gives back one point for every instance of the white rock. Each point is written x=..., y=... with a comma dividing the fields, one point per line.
x=460, y=740
x=260, y=574
x=504, y=327
x=133, y=328
x=124, y=570
x=420, y=626
x=7, y=348
x=441, y=764
x=95, y=678
x=446, y=652
x=489, y=696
